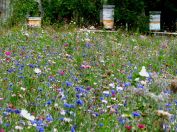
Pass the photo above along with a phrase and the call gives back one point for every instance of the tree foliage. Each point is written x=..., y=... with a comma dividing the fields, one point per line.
x=133, y=13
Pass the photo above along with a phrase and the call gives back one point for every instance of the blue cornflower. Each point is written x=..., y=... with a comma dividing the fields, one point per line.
x=10, y=84
x=79, y=102
x=21, y=77
x=61, y=119
x=49, y=102
x=130, y=77
x=127, y=84
x=5, y=113
x=140, y=86
x=9, y=110
x=73, y=128
x=96, y=114
x=49, y=118
x=168, y=105
x=40, y=122
x=101, y=98
x=17, y=111
x=52, y=78
x=101, y=124
x=68, y=105
x=7, y=124
x=10, y=89
x=40, y=128
x=21, y=67
x=175, y=102
x=121, y=120
x=80, y=89
x=69, y=84
x=31, y=65
x=11, y=70
x=40, y=89
x=113, y=91
x=78, y=96
x=136, y=114
x=88, y=45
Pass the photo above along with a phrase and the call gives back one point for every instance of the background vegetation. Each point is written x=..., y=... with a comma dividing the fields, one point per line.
x=87, y=12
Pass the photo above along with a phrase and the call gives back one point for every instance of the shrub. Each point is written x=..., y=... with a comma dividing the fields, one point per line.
x=22, y=9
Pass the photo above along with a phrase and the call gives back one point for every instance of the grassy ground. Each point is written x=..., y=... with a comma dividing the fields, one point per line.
x=74, y=81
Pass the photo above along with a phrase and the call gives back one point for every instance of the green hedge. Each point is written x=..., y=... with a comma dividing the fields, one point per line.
x=83, y=12
x=22, y=9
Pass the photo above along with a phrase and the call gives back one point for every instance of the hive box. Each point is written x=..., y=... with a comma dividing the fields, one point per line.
x=154, y=24
x=34, y=21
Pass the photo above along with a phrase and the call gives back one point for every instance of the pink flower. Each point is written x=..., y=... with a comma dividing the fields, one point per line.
x=66, y=44
x=128, y=127
x=1, y=99
x=7, y=53
x=141, y=126
x=85, y=66
x=61, y=73
x=2, y=130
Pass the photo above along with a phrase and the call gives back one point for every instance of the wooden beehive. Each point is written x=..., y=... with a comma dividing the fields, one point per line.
x=34, y=21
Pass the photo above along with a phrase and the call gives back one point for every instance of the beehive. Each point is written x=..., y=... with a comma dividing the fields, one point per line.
x=34, y=21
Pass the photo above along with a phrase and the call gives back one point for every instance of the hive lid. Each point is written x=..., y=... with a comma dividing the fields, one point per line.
x=34, y=18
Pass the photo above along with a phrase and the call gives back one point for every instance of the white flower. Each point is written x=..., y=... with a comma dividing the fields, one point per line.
x=26, y=34
x=62, y=112
x=104, y=101
x=67, y=119
x=105, y=92
x=55, y=130
x=55, y=105
x=37, y=70
x=143, y=72
x=113, y=98
x=112, y=85
x=87, y=40
x=18, y=127
x=23, y=89
x=163, y=113
x=119, y=88
x=28, y=116
x=137, y=79
x=143, y=82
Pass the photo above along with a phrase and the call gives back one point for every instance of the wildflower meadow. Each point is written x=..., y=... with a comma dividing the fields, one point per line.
x=87, y=82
